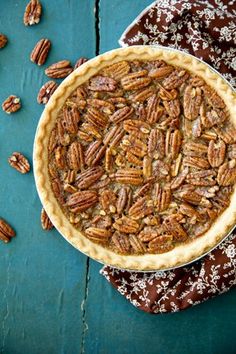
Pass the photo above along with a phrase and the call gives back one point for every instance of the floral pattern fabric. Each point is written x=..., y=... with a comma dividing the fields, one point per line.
x=206, y=29
x=178, y=289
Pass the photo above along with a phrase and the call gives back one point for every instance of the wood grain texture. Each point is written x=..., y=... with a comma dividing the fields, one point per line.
x=52, y=298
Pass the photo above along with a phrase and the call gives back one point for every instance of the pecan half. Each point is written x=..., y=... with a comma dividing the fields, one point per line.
x=104, y=106
x=137, y=244
x=98, y=235
x=173, y=143
x=175, y=79
x=71, y=119
x=40, y=52
x=82, y=200
x=172, y=107
x=60, y=157
x=196, y=162
x=156, y=144
x=126, y=225
x=161, y=244
x=147, y=166
x=94, y=153
x=191, y=102
x=122, y=114
x=136, y=80
x=175, y=229
x=161, y=198
x=59, y=70
x=179, y=180
x=214, y=117
x=129, y=176
x=87, y=178
x=212, y=97
x=80, y=62
x=124, y=199
x=161, y=73
x=141, y=95
x=154, y=110
x=121, y=242
x=32, y=13
x=114, y=135
x=227, y=133
x=227, y=173
x=167, y=95
x=11, y=104
x=216, y=153
x=117, y=70
x=75, y=156
x=202, y=178
x=3, y=40
x=195, y=149
x=46, y=92
x=135, y=126
x=102, y=83
x=141, y=208
x=45, y=221
x=107, y=200
x=95, y=117
x=6, y=231
x=19, y=162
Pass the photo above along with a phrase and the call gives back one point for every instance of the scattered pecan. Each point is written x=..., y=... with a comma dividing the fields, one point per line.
x=59, y=70
x=32, y=13
x=82, y=200
x=102, y=83
x=3, y=40
x=45, y=221
x=88, y=177
x=80, y=62
x=46, y=92
x=19, y=162
x=40, y=52
x=11, y=104
x=6, y=231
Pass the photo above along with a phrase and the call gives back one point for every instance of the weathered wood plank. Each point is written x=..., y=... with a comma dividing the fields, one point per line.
x=42, y=278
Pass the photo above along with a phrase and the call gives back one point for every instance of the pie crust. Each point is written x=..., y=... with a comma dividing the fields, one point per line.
x=181, y=254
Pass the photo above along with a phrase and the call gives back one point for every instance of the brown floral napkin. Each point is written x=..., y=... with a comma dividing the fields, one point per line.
x=206, y=29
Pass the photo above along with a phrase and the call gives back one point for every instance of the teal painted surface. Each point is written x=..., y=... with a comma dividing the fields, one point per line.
x=48, y=302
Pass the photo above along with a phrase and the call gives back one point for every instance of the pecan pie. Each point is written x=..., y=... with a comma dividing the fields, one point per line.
x=135, y=158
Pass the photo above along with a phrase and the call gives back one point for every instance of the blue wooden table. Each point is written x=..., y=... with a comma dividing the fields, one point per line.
x=52, y=298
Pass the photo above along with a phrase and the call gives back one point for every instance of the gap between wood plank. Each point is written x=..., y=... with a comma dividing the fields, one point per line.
x=83, y=305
